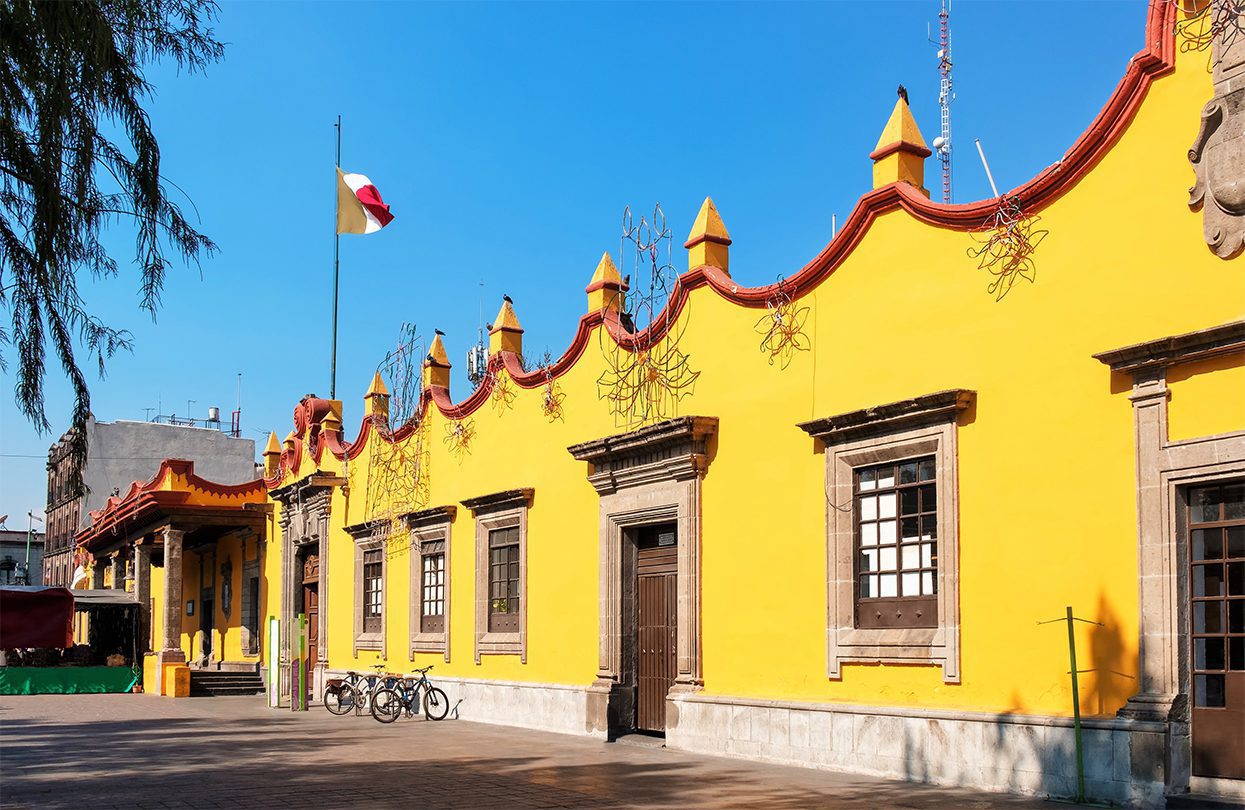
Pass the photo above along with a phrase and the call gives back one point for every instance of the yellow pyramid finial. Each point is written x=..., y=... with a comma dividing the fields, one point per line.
x=437, y=364
x=377, y=388
x=708, y=242
x=899, y=156
x=274, y=445
x=377, y=397
x=606, y=290
x=505, y=335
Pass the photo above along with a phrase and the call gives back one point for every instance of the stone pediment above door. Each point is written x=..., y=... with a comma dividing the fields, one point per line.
x=672, y=450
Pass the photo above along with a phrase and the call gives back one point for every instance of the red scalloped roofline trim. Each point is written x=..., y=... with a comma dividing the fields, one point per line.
x=1157, y=59
x=141, y=497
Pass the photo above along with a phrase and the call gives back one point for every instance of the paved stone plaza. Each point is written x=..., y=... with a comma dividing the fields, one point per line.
x=102, y=751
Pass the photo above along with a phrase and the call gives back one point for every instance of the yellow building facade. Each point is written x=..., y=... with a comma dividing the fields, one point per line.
x=824, y=521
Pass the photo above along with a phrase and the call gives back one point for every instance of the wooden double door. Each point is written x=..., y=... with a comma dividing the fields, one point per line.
x=1217, y=613
x=656, y=623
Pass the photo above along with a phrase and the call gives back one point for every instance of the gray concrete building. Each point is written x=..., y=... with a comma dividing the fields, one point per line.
x=119, y=453
x=15, y=569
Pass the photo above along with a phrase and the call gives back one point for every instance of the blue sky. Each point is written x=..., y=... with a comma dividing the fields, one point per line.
x=508, y=138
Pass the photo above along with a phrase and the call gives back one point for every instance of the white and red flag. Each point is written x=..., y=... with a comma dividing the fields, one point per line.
x=359, y=206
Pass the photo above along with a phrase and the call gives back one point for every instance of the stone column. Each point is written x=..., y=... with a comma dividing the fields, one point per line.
x=142, y=594
x=1157, y=676
x=171, y=648
x=97, y=575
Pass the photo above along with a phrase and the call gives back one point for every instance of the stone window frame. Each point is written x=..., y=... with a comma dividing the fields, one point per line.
x=922, y=426
x=500, y=510
x=369, y=536
x=428, y=525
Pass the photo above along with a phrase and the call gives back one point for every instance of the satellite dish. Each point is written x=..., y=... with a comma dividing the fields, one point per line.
x=941, y=143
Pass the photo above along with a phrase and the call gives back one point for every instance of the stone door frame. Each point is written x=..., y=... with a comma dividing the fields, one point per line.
x=649, y=475
x=1166, y=470
x=304, y=523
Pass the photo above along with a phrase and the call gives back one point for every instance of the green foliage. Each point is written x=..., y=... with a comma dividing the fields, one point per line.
x=70, y=72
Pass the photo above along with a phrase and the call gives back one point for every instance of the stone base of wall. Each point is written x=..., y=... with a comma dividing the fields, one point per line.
x=1014, y=753
x=540, y=706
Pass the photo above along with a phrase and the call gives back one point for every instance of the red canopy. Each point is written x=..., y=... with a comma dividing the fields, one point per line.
x=35, y=617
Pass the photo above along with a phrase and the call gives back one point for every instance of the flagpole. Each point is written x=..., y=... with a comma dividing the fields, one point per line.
x=336, y=260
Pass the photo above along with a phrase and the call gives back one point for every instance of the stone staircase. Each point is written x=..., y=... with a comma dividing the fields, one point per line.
x=215, y=683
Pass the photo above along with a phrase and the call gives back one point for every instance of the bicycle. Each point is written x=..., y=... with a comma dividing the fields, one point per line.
x=404, y=697
x=355, y=690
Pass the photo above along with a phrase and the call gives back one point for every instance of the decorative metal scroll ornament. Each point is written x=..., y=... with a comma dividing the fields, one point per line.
x=644, y=381
x=458, y=436
x=397, y=470
x=1218, y=151
x=782, y=327
x=551, y=394
x=1007, y=241
x=1215, y=27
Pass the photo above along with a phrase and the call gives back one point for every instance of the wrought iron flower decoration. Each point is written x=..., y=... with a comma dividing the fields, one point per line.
x=782, y=327
x=458, y=436
x=1007, y=241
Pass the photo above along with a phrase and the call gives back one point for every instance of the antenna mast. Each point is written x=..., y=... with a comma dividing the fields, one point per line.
x=942, y=144
x=477, y=355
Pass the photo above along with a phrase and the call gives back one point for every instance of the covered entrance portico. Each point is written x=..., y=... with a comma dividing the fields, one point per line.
x=177, y=543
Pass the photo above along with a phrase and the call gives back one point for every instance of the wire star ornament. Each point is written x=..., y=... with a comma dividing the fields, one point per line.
x=782, y=327
x=1007, y=241
x=644, y=381
x=397, y=469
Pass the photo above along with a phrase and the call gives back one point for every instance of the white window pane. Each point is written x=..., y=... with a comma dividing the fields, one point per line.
x=927, y=584
x=887, y=585
x=867, y=483
x=870, y=585
x=886, y=561
x=869, y=560
x=887, y=531
x=911, y=559
x=869, y=508
x=927, y=555
x=911, y=584
x=868, y=534
x=886, y=505
x=886, y=477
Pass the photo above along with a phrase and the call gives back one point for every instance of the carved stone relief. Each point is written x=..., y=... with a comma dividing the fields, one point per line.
x=1218, y=153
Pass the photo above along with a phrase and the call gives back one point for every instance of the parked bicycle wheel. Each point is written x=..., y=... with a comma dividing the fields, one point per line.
x=339, y=698
x=436, y=704
x=387, y=705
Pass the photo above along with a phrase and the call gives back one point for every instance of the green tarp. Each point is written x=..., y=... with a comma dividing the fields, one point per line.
x=65, y=680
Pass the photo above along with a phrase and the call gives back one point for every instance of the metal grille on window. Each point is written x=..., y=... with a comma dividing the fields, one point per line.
x=503, y=580
x=896, y=511
x=373, y=590
x=1217, y=559
x=432, y=592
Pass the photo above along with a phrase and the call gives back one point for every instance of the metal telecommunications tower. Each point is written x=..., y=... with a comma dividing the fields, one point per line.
x=942, y=144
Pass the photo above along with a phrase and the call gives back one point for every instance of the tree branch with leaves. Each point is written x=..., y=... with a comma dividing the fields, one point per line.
x=71, y=73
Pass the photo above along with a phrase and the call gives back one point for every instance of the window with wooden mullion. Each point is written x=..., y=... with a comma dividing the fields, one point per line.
x=432, y=592
x=896, y=517
x=504, y=580
x=1217, y=577
x=373, y=591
